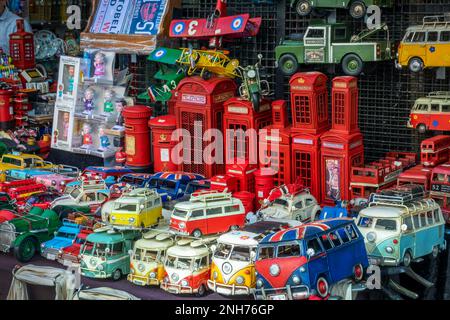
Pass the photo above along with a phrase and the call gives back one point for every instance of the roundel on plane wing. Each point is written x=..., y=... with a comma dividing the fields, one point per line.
x=237, y=23
x=159, y=53
x=178, y=28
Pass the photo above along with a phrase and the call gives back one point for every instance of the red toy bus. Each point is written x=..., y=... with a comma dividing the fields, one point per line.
x=440, y=188
x=435, y=150
x=431, y=113
x=416, y=175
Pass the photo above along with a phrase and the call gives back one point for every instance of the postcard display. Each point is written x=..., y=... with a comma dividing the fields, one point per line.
x=87, y=117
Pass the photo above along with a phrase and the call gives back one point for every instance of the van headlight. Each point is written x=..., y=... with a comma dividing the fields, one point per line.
x=296, y=279
x=113, y=217
x=240, y=280
x=152, y=275
x=182, y=225
x=215, y=275
x=389, y=250
x=131, y=220
x=184, y=283
x=259, y=283
x=302, y=269
x=371, y=236
x=100, y=267
x=274, y=270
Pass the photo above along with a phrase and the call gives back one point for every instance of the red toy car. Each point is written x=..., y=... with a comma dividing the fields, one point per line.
x=41, y=200
x=70, y=254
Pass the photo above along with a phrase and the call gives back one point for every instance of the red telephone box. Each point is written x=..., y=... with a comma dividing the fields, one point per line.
x=244, y=174
x=342, y=146
x=199, y=107
x=306, y=161
x=239, y=116
x=309, y=102
x=21, y=47
x=162, y=128
x=222, y=182
x=279, y=114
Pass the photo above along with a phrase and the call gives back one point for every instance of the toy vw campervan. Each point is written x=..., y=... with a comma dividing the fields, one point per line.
x=431, y=112
x=140, y=208
x=106, y=254
x=208, y=212
x=147, y=260
x=307, y=260
x=188, y=267
x=233, y=261
x=401, y=225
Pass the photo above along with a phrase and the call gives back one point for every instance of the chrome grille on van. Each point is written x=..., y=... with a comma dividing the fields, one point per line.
x=7, y=236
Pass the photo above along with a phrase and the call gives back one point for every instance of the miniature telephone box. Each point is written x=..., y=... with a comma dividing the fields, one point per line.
x=21, y=47
x=306, y=161
x=342, y=146
x=239, y=116
x=199, y=107
x=309, y=102
x=244, y=174
x=162, y=128
x=137, y=136
x=276, y=139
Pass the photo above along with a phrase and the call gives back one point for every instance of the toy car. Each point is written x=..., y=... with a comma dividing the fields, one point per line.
x=70, y=255
x=187, y=267
x=55, y=181
x=6, y=203
x=109, y=175
x=207, y=212
x=106, y=254
x=306, y=260
x=41, y=200
x=22, y=161
x=24, y=234
x=171, y=185
x=147, y=260
x=401, y=225
x=431, y=113
x=192, y=187
x=332, y=43
x=139, y=208
x=64, y=237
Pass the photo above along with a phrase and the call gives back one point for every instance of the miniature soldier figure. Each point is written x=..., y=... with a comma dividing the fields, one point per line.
x=104, y=140
x=108, y=106
x=88, y=101
x=87, y=137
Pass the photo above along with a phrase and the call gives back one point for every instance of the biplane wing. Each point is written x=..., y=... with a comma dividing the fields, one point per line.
x=229, y=26
x=165, y=55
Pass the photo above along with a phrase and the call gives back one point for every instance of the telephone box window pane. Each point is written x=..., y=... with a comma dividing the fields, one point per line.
x=302, y=110
x=339, y=103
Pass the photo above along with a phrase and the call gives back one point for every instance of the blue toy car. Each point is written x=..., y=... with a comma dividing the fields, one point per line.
x=172, y=185
x=22, y=174
x=64, y=237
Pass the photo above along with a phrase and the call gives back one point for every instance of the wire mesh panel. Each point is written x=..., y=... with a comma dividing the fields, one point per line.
x=386, y=94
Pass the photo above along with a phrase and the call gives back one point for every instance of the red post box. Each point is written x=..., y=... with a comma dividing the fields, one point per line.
x=137, y=136
x=306, y=161
x=309, y=102
x=248, y=200
x=241, y=119
x=162, y=128
x=6, y=108
x=264, y=183
x=222, y=182
x=21, y=47
x=244, y=174
x=199, y=107
x=21, y=108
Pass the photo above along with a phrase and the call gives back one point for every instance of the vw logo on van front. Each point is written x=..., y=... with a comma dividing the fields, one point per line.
x=274, y=270
x=227, y=268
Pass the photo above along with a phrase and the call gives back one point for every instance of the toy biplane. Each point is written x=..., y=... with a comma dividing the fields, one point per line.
x=216, y=27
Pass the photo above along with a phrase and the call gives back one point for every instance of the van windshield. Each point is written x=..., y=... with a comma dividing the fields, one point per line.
x=223, y=251
x=126, y=207
x=240, y=253
x=386, y=224
x=266, y=253
x=179, y=213
x=145, y=255
x=75, y=193
x=66, y=235
x=178, y=262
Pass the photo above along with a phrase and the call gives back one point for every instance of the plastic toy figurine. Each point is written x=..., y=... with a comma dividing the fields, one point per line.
x=185, y=218
x=87, y=136
x=71, y=78
x=120, y=105
x=332, y=43
x=104, y=140
x=108, y=106
x=121, y=157
x=392, y=230
x=296, y=275
x=88, y=100
x=421, y=48
x=99, y=65
x=66, y=124
x=431, y=113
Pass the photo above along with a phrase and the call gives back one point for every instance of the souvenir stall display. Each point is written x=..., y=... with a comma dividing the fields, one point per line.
x=219, y=149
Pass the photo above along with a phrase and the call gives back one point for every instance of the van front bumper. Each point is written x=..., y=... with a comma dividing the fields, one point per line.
x=143, y=281
x=91, y=273
x=177, y=289
x=300, y=292
x=227, y=289
x=383, y=261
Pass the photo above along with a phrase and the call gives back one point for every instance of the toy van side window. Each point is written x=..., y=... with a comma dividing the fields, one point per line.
x=334, y=238
x=423, y=219
x=117, y=248
x=419, y=36
x=433, y=36
x=343, y=235
x=445, y=107
x=288, y=250
x=326, y=242
x=445, y=36
x=213, y=211
x=233, y=208
x=409, y=36
x=415, y=219
x=437, y=216
x=430, y=219
x=101, y=196
x=435, y=107
x=197, y=213
x=157, y=202
x=351, y=232
x=315, y=245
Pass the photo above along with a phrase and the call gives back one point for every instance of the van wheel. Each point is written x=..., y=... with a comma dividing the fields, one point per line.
x=357, y=9
x=197, y=233
x=322, y=287
x=117, y=275
x=415, y=65
x=421, y=128
x=358, y=272
x=201, y=291
x=288, y=64
x=352, y=65
x=303, y=8
x=407, y=259
x=435, y=252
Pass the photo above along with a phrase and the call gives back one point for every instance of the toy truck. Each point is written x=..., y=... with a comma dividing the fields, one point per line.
x=332, y=43
x=64, y=237
x=356, y=8
x=24, y=234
